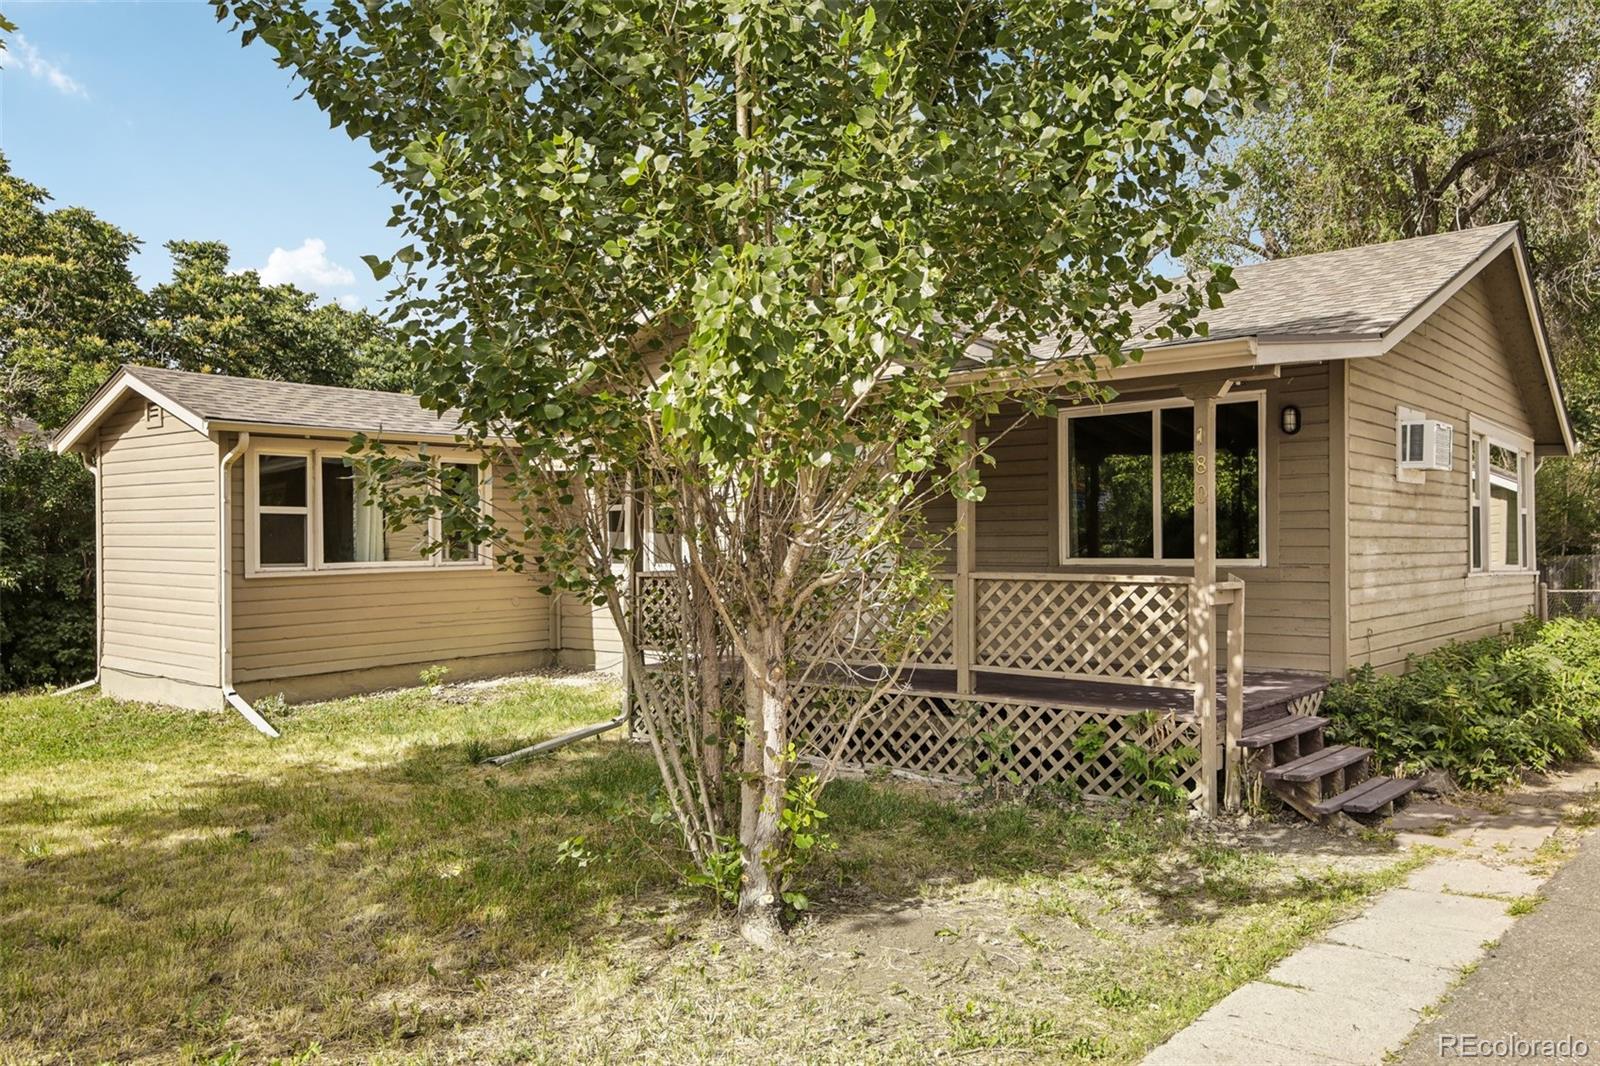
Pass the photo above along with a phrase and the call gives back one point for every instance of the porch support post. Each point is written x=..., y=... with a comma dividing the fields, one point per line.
x=1232, y=754
x=630, y=587
x=1203, y=592
x=964, y=626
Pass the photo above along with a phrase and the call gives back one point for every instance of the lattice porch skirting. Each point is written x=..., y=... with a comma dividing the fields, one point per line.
x=1097, y=751
x=1310, y=703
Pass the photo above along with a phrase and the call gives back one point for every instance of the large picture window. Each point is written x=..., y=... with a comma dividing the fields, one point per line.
x=1129, y=490
x=1500, y=481
x=313, y=510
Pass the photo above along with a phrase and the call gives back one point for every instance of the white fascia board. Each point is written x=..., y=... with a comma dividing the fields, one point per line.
x=280, y=429
x=1290, y=350
x=1536, y=322
x=112, y=393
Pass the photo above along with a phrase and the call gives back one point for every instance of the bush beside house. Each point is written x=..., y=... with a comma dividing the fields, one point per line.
x=1485, y=710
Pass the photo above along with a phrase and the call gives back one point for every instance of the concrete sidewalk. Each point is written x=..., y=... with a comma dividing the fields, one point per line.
x=1541, y=983
x=1353, y=996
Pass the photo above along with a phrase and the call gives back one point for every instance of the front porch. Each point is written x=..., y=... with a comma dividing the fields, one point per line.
x=1102, y=683
x=1068, y=655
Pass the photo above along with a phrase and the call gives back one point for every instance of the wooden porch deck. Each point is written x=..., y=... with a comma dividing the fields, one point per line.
x=1268, y=694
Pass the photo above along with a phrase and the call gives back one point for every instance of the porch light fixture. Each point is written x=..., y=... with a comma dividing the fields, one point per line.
x=1289, y=419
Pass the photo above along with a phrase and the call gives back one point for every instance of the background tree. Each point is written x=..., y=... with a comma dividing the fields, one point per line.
x=723, y=259
x=1397, y=118
x=71, y=312
x=209, y=319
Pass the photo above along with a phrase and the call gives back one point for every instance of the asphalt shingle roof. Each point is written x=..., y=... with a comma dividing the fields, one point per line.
x=1350, y=294
x=251, y=401
x=1353, y=293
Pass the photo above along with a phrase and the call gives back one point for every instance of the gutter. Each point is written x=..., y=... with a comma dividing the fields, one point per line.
x=225, y=591
x=559, y=742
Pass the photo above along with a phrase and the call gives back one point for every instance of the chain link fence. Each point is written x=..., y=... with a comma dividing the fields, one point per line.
x=1569, y=587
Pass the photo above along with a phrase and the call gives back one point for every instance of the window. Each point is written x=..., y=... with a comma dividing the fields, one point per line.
x=283, y=496
x=314, y=510
x=459, y=482
x=663, y=545
x=1500, y=491
x=617, y=538
x=1130, y=482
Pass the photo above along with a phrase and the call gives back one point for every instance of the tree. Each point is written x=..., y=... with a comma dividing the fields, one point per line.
x=70, y=308
x=211, y=319
x=723, y=260
x=1397, y=118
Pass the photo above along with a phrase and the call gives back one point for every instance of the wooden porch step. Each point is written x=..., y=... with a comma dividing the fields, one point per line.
x=1269, y=733
x=1372, y=800
x=1351, y=795
x=1318, y=764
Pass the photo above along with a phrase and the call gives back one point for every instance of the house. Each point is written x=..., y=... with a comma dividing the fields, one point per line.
x=1358, y=428
x=237, y=553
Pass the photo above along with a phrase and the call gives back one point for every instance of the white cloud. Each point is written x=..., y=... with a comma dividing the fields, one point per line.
x=307, y=266
x=350, y=301
x=20, y=55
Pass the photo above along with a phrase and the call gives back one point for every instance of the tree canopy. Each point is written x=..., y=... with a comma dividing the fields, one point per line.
x=723, y=260
x=1397, y=118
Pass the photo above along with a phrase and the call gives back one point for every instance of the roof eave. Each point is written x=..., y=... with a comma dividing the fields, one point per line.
x=1201, y=354
x=288, y=429
x=1530, y=295
x=70, y=438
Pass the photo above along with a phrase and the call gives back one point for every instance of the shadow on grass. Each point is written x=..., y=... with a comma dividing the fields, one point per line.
x=365, y=906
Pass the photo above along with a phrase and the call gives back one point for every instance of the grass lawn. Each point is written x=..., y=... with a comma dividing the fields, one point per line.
x=175, y=887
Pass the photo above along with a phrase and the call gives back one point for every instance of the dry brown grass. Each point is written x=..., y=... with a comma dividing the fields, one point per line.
x=172, y=887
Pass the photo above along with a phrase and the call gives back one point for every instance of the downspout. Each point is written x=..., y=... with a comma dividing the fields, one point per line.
x=225, y=589
x=99, y=572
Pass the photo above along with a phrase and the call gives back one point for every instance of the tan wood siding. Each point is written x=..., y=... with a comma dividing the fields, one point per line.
x=1410, y=588
x=1287, y=601
x=589, y=638
x=308, y=624
x=159, y=565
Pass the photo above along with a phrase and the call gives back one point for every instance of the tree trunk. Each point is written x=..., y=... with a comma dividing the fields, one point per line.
x=766, y=782
x=713, y=742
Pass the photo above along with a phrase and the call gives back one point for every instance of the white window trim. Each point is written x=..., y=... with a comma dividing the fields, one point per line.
x=1494, y=434
x=314, y=452
x=1064, y=554
x=650, y=560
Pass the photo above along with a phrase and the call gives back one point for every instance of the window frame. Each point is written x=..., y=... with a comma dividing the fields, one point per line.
x=1064, y=515
x=1482, y=436
x=314, y=452
x=255, y=509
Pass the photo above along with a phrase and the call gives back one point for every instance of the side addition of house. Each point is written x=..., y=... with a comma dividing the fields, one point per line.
x=238, y=552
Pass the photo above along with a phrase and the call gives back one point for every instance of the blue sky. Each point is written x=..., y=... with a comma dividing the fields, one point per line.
x=153, y=117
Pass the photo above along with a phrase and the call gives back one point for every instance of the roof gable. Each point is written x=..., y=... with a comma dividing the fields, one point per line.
x=217, y=401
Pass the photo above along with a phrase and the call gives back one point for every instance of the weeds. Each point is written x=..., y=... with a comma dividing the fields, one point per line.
x=1484, y=711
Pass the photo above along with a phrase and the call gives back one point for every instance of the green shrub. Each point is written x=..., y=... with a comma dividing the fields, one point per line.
x=1484, y=710
x=46, y=568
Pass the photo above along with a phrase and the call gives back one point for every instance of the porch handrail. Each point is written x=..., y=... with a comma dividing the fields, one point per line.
x=1075, y=575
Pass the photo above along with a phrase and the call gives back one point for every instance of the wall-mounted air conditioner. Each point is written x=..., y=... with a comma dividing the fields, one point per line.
x=1426, y=444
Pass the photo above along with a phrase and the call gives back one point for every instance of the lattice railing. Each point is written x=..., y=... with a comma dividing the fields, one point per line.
x=1310, y=703
x=862, y=638
x=856, y=640
x=1099, y=752
x=657, y=610
x=1074, y=626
